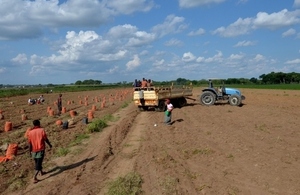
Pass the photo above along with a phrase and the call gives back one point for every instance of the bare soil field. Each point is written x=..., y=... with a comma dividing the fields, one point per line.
x=220, y=149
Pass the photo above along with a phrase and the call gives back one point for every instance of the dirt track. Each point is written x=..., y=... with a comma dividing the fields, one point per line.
x=253, y=149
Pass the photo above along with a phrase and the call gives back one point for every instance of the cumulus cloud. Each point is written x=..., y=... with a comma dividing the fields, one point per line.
x=216, y=58
x=2, y=70
x=239, y=27
x=188, y=57
x=236, y=56
x=271, y=21
x=159, y=62
x=296, y=61
x=196, y=3
x=244, y=43
x=259, y=57
x=128, y=7
x=134, y=63
x=276, y=20
x=28, y=19
x=297, y=3
x=172, y=24
x=289, y=32
x=200, y=31
x=173, y=42
x=20, y=59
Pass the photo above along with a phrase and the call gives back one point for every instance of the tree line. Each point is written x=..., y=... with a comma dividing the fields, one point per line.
x=270, y=78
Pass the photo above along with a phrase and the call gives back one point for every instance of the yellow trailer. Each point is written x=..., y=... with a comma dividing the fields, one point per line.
x=154, y=97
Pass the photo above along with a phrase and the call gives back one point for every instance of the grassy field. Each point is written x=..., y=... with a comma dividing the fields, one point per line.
x=60, y=89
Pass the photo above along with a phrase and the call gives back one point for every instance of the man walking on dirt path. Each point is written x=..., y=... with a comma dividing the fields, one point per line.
x=37, y=138
x=168, y=112
x=59, y=104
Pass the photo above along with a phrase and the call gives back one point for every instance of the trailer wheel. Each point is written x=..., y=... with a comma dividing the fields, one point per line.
x=182, y=102
x=161, y=106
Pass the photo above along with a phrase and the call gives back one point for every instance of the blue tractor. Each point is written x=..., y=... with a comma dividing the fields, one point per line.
x=211, y=95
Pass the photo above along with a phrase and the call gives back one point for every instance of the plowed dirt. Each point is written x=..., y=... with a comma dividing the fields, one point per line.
x=220, y=149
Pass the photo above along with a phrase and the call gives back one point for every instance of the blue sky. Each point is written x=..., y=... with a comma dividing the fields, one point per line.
x=61, y=42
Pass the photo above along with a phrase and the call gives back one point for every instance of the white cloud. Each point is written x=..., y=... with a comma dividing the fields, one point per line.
x=242, y=1
x=236, y=56
x=173, y=42
x=20, y=59
x=134, y=63
x=2, y=70
x=141, y=38
x=244, y=43
x=188, y=57
x=200, y=31
x=296, y=61
x=122, y=31
x=200, y=59
x=262, y=20
x=28, y=19
x=172, y=24
x=289, y=32
x=259, y=58
x=276, y=20
x=239, y=27
x=196, y=3
x=130, y=6
x=216, y=58
x=297, y=3
x=158, y=62
x=114, y=69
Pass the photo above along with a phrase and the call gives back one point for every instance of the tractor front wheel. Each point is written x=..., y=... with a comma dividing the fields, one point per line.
x=208, y=98
x=235, y=100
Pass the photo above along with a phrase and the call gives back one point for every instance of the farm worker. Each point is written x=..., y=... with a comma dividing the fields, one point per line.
x=41, y=99
x=135, y=83
x=144, y=83
x=149, y=83
x=59, y=103
x=168, y=112
x=37, y=138
x=210, y=85
x=31, y=101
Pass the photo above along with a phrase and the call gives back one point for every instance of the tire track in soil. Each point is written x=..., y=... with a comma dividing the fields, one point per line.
x=125, y=160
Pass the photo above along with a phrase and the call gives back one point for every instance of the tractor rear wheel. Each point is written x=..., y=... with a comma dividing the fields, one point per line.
x=235, y=100
x=208, y=98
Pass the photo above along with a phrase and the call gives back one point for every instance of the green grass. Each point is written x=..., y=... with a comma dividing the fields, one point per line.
x=62, y=152
x=96, y=126
x=267, y=86
x=130, y=184
x=79, y=138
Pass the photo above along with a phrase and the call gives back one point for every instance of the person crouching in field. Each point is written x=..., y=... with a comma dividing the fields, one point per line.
x=37, y=138
x=168, y=112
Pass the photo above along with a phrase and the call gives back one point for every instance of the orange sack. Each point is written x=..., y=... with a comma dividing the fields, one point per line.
x=11, y=152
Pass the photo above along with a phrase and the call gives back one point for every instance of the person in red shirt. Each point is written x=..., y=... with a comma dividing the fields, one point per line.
x=37, y=138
